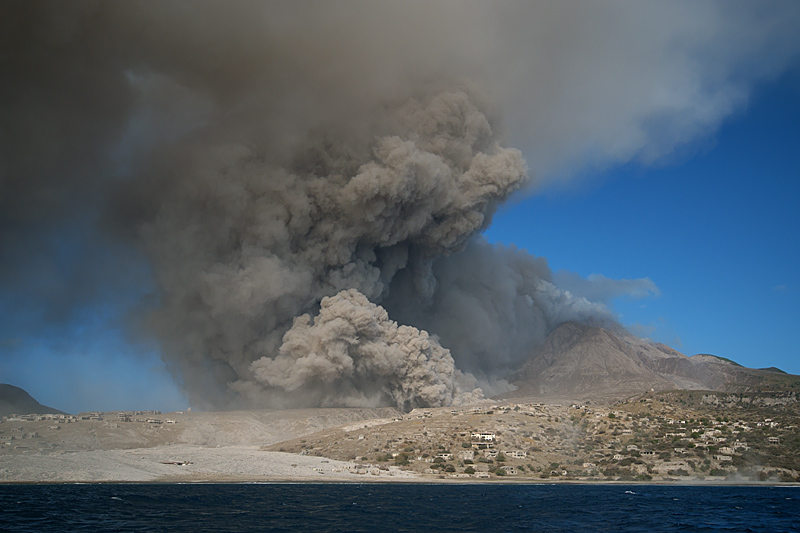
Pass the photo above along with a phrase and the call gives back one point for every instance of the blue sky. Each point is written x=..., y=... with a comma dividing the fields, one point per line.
x=716, y=228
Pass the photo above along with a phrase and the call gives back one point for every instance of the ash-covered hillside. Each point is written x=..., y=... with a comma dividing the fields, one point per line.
x=579, y=360
x=14, y=400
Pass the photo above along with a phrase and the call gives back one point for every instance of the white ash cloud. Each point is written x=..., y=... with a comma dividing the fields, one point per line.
x=593, y=85
x=259, y=157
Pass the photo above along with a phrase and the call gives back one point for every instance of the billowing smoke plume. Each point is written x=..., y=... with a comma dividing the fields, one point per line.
x=245, y=241
x=491, y=305
x=353, y=354
x=286, y=174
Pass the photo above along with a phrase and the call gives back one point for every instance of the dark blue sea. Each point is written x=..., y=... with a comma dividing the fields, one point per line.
x=395, y=507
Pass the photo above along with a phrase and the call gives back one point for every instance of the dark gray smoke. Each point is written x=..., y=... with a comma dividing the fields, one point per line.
x=289, y=173
x=491, y=305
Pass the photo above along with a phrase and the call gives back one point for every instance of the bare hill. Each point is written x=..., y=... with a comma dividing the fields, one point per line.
x=14, y=400
x=583, y=361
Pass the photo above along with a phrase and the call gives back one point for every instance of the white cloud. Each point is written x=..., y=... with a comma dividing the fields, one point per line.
x=599, y=288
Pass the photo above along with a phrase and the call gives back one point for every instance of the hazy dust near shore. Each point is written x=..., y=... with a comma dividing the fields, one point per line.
x=221, y=446
x=229, y=463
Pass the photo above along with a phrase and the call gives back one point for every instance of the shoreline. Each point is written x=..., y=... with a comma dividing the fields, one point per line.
x=406, y=482
x=366, y=479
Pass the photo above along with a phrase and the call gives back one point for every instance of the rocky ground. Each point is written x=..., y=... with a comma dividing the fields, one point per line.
x=661, y=436
x=672, y=436
x=179, y=462
x=183, y=446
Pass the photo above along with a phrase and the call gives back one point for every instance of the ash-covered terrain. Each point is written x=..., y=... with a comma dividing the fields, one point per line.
x=592, y=362
x=674, y=436
x=601, y=405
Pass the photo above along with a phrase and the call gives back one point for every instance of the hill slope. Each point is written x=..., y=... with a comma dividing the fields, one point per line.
x=579, y=360
x=14, y=400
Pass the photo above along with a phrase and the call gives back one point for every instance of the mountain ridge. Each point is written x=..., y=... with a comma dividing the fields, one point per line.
x=592, y=361
x=17, y=401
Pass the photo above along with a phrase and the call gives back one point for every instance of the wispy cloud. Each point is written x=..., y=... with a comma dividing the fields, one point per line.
x=599, y=288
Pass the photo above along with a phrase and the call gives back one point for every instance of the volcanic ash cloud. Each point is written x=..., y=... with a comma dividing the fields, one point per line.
x=244, y=240
x=353, y=354
x=222, y=168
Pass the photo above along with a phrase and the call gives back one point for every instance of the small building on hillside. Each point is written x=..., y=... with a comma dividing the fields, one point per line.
x=466, y=455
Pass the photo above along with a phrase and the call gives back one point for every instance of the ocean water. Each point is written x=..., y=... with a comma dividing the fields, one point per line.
x=397, y=507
